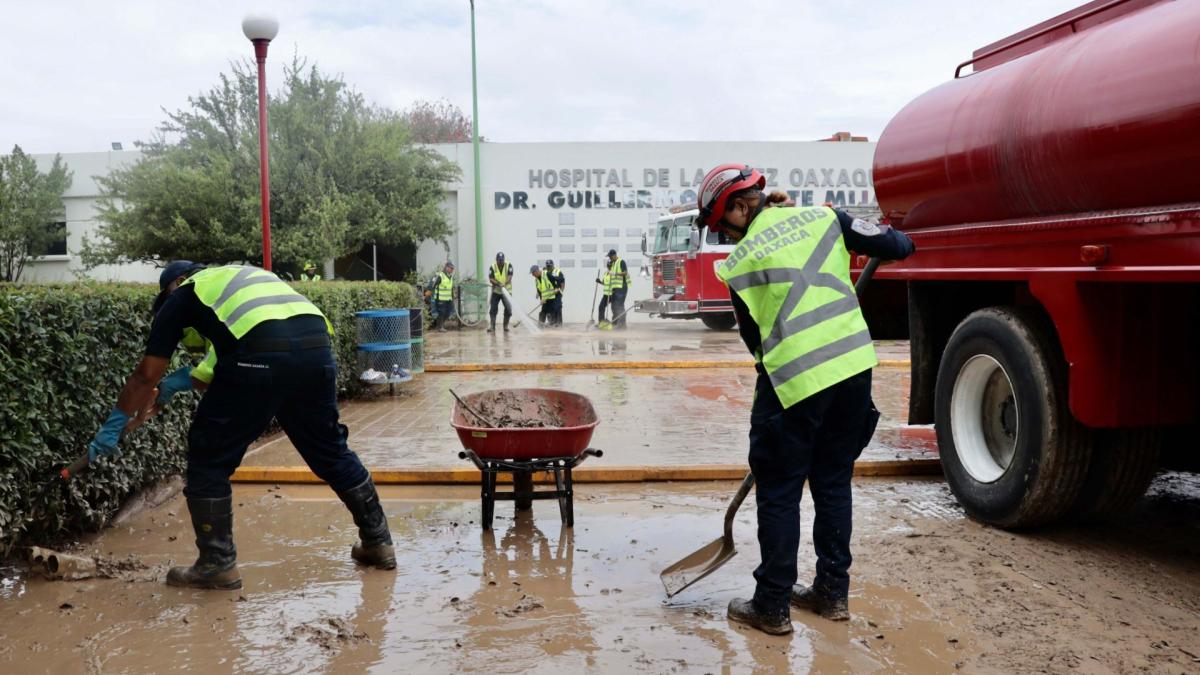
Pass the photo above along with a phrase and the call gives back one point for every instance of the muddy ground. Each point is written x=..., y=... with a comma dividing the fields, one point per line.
x=932, y=591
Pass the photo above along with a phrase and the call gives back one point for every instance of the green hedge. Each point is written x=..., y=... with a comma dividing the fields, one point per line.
x=65, y=350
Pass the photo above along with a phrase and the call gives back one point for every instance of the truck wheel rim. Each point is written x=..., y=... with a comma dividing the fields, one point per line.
x=983, y=418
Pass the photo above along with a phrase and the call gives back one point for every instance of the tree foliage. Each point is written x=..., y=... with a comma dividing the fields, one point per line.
x=343, y=173
x=437, y=122
x=30, y=205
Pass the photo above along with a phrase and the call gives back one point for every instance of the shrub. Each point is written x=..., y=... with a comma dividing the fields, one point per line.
x=65, y=350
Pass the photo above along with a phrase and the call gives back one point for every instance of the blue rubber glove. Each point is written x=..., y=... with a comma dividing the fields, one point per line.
x=180, y=380
x=105, y=442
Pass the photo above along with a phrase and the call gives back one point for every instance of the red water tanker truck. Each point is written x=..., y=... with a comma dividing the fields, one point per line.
x=1053, y=192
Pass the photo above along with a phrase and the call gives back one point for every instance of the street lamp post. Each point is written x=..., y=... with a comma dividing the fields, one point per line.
x=475, y=148
x=260, y=29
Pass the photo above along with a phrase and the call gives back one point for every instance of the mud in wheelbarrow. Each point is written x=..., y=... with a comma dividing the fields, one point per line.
x=530, y=431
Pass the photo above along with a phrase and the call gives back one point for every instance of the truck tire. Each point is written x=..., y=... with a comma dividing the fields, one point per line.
x=1124, y=462
x=1011, y=451
x=719, y=321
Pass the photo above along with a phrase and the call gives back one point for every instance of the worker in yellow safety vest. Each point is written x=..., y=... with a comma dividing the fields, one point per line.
x=310, y=272
x=443, y=295
x=619, y=285
x=605, y=282
x=789, y=280
x=270, y=359
x=547, y=293
x=500, y=277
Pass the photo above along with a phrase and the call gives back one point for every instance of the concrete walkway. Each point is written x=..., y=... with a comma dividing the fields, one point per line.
x=649, y=416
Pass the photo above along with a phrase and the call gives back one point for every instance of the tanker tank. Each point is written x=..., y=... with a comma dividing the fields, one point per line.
x=1103, y=119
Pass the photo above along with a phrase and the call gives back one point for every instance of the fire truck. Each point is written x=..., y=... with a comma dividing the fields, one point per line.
x=1054, y=299
x=683, y=263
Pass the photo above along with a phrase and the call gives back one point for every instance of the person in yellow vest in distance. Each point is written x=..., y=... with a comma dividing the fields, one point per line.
x=560, y=284
x=789, y=279
x=547, y=294
x=443, y=295
x=310, y=272
x=605, y=282
x=619, y=285
x=271, y=359
x=500, y=275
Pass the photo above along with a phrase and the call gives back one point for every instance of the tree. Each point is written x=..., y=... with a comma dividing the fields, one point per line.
x=30, y=207
x=437, y=122
x=343, y=173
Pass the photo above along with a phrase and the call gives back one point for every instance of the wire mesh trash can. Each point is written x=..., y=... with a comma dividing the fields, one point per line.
x=417, y=349
x=416, y=323
x=381, y=363
x=383, y=326
x=384, y=346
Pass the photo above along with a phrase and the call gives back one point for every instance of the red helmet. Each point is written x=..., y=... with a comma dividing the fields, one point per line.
x=721, y=182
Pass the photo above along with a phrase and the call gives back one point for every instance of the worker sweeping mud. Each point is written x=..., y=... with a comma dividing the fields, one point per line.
x=272, y=361
x=789, y=277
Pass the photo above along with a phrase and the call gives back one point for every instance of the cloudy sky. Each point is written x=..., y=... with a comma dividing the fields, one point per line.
x=77, y=75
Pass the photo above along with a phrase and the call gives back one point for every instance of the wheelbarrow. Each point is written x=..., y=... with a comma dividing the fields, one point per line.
x=523, y=431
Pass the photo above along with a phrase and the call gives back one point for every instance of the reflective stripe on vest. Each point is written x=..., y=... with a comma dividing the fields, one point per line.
x=501, y=276
x=545, y=287
x=445, y=288
x=608, y=283
x=244, y=296
x=617, y=281
x=792, y=270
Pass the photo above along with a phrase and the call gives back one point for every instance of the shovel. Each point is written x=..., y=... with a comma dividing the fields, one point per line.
x=591, y=316
x=708, y=559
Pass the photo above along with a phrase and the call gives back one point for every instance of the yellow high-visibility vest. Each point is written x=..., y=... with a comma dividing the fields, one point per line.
x=445, y=288
x=243, y=297
x=792, y=270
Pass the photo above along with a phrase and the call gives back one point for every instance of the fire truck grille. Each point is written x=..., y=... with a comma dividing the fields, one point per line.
x=668, y=271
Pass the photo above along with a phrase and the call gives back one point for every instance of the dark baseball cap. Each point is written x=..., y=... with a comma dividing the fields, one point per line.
x=173, y=270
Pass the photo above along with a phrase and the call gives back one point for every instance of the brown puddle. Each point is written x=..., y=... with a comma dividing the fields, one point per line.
x=530, y=595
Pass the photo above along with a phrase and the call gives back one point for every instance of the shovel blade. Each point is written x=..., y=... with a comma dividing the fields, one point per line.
x=701, y=563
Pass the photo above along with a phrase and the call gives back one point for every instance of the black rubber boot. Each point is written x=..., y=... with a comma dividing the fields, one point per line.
x=814, y=600
x=492, y=328
x=216, y=567
x=375, y=545
x=745, y=611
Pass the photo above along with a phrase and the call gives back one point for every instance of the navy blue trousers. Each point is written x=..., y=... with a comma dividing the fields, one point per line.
x=297, y=387
x=814, y=441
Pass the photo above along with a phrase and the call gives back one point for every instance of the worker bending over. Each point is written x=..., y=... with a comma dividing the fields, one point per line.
x=271, y=349
x=789, y=277
x=547, y=294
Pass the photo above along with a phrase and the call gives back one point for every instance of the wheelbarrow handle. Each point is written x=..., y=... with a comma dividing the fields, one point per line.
x=747, y=483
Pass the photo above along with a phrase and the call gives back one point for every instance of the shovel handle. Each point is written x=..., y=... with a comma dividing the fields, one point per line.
x=864, y=277
x=72, y=469
x=747, y=483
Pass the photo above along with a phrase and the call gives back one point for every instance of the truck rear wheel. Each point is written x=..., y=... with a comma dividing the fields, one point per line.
x=1011, y=451
x=1123, y=464
x=719, y=321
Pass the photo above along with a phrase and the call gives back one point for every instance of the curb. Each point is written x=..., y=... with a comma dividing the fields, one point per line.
x=616, y=474
x=612, y=365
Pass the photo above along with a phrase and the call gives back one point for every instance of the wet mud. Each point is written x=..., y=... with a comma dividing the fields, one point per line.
x=931, y=591
x=517, y=410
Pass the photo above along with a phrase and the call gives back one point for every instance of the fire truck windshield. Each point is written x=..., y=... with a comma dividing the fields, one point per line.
x=674, y=235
